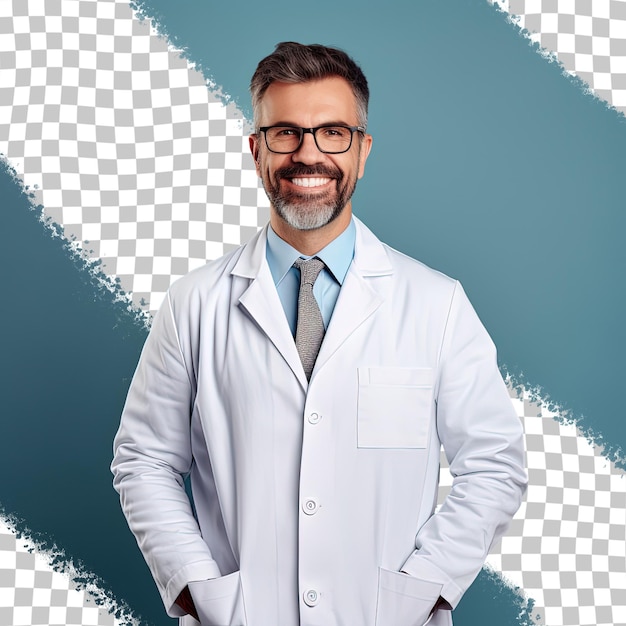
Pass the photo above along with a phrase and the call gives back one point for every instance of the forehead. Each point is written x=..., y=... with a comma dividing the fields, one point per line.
x=308, y=104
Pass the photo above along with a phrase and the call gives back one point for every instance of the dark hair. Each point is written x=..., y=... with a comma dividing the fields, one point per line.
x=298, y=63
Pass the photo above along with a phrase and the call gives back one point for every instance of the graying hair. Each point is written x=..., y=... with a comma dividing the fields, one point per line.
x=297, y=63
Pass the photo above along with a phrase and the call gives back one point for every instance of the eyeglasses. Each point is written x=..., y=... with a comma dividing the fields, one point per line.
x=331, y=139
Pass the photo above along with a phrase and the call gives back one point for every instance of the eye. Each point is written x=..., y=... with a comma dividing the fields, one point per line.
x=334, y=132
x=285, y=132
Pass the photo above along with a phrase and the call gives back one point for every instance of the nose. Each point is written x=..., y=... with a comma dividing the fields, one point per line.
x=308, y=152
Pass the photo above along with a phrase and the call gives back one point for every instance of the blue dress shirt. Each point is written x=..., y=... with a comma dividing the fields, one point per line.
x=337, y=256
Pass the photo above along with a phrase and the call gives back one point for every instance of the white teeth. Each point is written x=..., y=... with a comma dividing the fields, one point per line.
x=309, y=182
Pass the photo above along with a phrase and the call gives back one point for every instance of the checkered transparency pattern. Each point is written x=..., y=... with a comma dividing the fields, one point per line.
x=144, y=167
x=147, y=170
x=31, y=592
x=587, y=36
x=566, y=547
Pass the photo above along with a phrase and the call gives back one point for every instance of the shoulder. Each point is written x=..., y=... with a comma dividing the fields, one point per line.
x=374, y=256
x=207, y=276
x=204, y=288
x=417, y=270
x=217, y=275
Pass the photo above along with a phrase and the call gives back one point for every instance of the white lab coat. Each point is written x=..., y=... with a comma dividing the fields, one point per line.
x=310, y=498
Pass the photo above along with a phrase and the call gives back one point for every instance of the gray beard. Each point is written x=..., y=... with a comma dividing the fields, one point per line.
x=311, y=217
x=311, y=214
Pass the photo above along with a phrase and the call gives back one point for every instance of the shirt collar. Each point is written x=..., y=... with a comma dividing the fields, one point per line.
x=337, y=255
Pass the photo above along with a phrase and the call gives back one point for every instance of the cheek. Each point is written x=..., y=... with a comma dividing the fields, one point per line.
x=269, y=165
x=361, y=164
x=266, y=171
x=262, y=166
x=355, y=169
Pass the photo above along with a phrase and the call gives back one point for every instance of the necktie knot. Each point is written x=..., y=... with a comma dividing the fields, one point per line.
x=309, y=270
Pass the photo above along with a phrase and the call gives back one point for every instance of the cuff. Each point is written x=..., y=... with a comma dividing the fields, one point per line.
x=420, y=567
x=201, y=570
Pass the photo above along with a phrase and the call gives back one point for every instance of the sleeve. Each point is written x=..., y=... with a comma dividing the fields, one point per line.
x=483, y=442
x=152, y=454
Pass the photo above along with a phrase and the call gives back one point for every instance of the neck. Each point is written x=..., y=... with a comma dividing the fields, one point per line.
x=310, y=242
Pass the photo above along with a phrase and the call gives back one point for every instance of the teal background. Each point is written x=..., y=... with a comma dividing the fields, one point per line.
x=487, y=164
x=68, y=355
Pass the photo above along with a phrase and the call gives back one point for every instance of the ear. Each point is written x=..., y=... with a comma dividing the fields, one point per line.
x=364, y=151
x=254, y=148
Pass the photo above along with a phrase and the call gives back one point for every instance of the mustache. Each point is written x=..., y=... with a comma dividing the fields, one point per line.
x=320, y=170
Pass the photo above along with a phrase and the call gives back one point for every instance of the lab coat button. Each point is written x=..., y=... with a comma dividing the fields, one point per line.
x=311, y=597
x=314, y=418
x=310, y=506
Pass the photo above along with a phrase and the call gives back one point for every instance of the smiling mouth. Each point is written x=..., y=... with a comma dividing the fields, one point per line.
x=310, y=181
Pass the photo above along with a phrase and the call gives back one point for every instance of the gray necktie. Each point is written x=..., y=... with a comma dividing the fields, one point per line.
x=310, y=327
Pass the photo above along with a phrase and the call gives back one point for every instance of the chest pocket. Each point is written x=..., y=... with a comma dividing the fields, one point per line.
x=394, y=407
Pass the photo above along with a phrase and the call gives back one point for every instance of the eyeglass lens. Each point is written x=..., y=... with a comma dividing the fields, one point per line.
x=328, y=138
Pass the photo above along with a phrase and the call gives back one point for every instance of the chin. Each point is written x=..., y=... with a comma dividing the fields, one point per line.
x=310, y=218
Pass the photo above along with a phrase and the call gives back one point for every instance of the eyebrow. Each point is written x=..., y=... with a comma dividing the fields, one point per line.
x=292, y=125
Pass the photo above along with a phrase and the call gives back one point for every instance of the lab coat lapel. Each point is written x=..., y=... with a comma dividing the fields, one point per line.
x=261, y=302
x=362, y=292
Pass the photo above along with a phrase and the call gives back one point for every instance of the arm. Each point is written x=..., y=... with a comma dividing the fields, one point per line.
x=483, y=441
x=152, y=455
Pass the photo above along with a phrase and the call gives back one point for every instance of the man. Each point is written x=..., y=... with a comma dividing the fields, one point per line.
x=314, y=474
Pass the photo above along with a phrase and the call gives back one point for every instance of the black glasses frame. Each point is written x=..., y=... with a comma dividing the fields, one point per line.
x=313, y=131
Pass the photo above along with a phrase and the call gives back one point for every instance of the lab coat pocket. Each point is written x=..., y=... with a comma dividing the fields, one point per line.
x=219, y=601
x=404, y=600
x=394, y=407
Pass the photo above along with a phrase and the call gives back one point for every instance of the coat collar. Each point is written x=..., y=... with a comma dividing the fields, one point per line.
x=370, y=256
x=359, y=297
x=362, y=293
